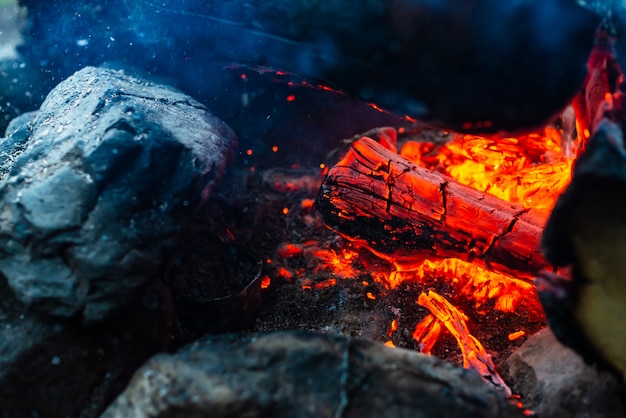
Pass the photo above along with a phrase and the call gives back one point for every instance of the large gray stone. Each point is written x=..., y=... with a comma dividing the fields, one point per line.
x=95, y=185
x=555, y=382
x=298, y=374
x=57, y=368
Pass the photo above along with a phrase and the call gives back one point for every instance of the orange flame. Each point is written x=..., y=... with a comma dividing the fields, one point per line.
x=531, y=170
x=476, y=283
x=474, y=354
x=340, y=264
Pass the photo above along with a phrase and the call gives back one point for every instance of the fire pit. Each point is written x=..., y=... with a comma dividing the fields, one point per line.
x=355, y=237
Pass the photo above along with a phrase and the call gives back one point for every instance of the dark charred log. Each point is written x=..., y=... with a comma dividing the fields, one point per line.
x=406, y=213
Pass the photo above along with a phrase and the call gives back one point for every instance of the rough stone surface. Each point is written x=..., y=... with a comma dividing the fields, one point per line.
x=296, y=374
x=109, y=168
x=58, y=368
x=556, y=382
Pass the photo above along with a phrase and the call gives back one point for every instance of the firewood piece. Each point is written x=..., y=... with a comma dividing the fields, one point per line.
x=586, y=231
x=404, y=213
x=474, y=354
x=595, y=101
x=297, y=374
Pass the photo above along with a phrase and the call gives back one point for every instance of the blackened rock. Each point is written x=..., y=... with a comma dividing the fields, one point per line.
x=555, y=382
x=108, y=170
x=298, y=374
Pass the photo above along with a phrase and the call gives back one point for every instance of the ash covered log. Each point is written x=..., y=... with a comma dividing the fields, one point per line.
x=296, y=374
x=405, y=213
x=95, y=186
x=480, y=65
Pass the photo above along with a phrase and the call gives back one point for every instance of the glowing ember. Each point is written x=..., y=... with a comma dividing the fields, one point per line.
x=307, y=203
x=284, y=273
x=289, y=250
x=427, y=332
x=475, y=283
x=326, y=283
x=515, y=335
x=339, y=264
x=531, y=170
x=393, y=328
x=474, y=355
x=265, y=282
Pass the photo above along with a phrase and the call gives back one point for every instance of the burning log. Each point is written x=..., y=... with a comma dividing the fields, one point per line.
x=594, y=101
x=405, y=213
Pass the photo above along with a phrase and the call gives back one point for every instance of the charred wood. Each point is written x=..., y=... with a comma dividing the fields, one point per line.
x=405, y=213
x=595, y=102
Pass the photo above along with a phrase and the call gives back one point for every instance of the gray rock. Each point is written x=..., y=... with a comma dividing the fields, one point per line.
x=555, y=382
x=58, y=368
x=95, y=185
x=297, y=374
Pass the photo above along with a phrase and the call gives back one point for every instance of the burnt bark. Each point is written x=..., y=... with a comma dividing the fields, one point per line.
x=406, y=213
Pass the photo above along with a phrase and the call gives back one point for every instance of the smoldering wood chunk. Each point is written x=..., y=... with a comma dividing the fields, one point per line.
x=300, y=374
x=556, y=382
x=109, y=168
x=587, y=233
x=406, y=213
